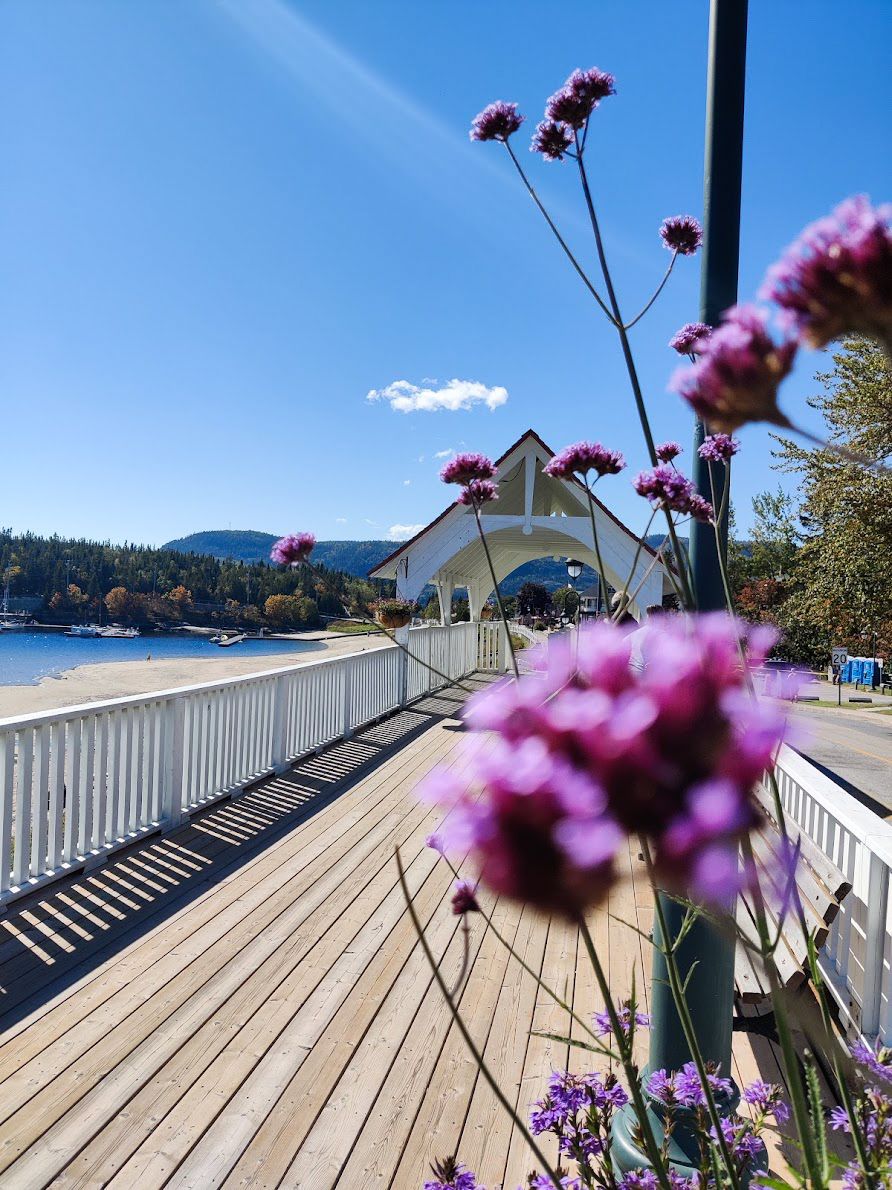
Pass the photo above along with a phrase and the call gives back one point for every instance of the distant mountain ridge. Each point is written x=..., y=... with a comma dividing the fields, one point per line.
x=357, y=557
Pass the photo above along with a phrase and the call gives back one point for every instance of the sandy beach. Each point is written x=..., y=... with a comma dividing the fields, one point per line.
x=91, y=683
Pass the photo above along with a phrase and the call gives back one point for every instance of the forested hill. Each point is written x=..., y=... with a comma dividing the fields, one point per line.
x=250, y=545
x=353, y=557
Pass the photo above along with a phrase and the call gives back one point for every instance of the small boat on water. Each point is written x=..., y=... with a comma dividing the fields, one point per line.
x=115, y=630
x=85, y=630
x=10, y=622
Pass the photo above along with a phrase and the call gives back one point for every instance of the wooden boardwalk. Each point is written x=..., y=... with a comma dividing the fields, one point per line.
x=244, y=1002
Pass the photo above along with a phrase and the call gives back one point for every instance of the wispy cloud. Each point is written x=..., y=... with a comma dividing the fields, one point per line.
x=406, y=482
x=404, y=397
x=444, y=454
x=402, y=532
x=340, y=520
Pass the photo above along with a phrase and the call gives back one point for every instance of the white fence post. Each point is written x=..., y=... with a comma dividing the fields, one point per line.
x=172, y=796
x=348, y=699
x=280, y=723
x=402, y=640
x=874, y=944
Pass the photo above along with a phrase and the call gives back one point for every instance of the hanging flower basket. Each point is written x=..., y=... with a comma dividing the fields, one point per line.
x=394, y=613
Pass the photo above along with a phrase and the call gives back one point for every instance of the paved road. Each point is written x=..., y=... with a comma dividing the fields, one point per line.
x=854, y=746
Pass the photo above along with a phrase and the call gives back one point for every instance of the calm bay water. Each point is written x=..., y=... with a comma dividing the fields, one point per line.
x=26, y=657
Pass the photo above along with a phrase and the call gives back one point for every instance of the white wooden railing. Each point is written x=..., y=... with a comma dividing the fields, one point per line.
x=80, y=782
x=856, y=957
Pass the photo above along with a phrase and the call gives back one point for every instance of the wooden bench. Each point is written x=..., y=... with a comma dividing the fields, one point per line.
x=821, y=887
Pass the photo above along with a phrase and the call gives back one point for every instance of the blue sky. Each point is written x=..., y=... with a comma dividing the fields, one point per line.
x=224, y=222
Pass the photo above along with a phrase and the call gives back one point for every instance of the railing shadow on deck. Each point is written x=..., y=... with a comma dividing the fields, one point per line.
x=54, y=938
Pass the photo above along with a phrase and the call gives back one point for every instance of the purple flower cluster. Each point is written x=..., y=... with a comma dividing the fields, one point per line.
x=837, y=277
x=628, y=1020
x=582, y=457
x=580, y=95
x=293, y=549
x=718, y=448
x=464, y=899
x=665, y=487
x=467, y=467
x=687, y=340
x=552, y=140
x=667, y=451
x=578, y=1109
x=593, y=752
x=498, y=121
x=873, y=1117
x=478, y=492
x=736, y=378
x=765, y=1100
x=879, y=1063
x=450, y=1174
x=681, y=234
x=683, y=1088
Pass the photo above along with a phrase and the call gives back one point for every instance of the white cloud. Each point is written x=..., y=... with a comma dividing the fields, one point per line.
x=406, y=482
x=444, y=454
x=404, y=397
x=402, y=532
x=340, y=520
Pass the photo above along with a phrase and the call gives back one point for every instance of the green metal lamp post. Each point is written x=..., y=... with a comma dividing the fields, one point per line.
x=710, y=993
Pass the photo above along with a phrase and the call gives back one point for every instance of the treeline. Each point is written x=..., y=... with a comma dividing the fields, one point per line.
x=819, y=563
x=135, y=584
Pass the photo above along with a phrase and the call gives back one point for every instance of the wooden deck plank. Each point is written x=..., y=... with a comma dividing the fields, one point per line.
x=487, y=1132
x=208, y=910
x=435, y=1128
x=245, y=1003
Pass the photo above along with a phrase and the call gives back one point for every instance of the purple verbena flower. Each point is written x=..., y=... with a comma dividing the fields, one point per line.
x=719, y=448
x=667, y=488
x=667, y=451
x=580, y=95
x=478, y=492
x=836, y=278
x=464, y=899
x=593, y=752
x=736, y=378
x=293, y=549
x=582, y=457
x=681, y=234
x=451, y=1174
x=551, y=140
x=498, y=121
x=435, y=843
x=686, y=340
x=466, y=467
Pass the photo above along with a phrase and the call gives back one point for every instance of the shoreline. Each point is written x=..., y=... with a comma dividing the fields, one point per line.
x=101, y=680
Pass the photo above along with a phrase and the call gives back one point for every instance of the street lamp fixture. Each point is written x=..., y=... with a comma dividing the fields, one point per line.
x=574, y=569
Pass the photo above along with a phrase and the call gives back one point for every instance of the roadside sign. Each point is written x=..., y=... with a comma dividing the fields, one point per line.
x=839, y=656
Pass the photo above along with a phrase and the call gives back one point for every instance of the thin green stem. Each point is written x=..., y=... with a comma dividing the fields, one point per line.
x=392, y=638
x=621, y=604
x=495, y=581
x=676, y=986
x=560, y=239
x=602, y=573
x=603, y=1049
x=651, y=1148
x=628, y=326
x=785, y=1036
x=630, y=363
x=463, y=1029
